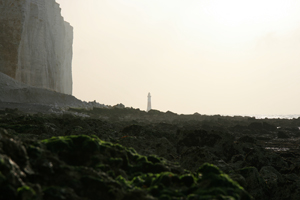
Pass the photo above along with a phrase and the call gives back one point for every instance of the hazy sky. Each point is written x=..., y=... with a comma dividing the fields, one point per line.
x=230, y=57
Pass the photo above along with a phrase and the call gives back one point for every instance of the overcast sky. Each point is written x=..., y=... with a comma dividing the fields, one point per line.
x=228, y=57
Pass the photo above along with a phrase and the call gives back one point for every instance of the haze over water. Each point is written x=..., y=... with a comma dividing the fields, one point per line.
x=211, y=57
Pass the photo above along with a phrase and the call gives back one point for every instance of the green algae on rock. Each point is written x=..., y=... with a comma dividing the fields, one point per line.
x=84, y=167
x=161, y=137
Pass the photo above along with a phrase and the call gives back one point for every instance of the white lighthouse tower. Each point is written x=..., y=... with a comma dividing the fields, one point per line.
x=149, y=102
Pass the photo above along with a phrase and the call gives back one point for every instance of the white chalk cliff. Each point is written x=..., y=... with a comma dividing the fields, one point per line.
x=36, y=44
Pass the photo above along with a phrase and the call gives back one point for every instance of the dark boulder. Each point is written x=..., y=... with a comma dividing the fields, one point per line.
x=247, y=139
x=282, y=134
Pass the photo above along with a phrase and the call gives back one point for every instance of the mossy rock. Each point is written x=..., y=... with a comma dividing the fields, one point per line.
x=150, y=173
x=214, y=183
x=165, y=179
x=187, y=179
x=80, y=167
x=82, y=143
x=26, y=193
x=154, y=159
x=75, y=149
x=208, y=169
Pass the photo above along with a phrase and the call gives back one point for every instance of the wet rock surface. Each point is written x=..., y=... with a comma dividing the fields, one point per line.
x=130, y=154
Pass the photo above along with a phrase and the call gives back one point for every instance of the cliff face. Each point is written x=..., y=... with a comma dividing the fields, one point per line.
x=36, y=44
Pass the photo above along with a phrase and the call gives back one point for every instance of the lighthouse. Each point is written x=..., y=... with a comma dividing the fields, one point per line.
x=149, y=102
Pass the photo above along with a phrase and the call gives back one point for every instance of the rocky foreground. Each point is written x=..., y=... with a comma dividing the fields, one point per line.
x=130, y=154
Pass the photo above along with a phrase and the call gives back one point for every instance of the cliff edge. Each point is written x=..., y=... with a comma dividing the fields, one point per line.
x=36, y=44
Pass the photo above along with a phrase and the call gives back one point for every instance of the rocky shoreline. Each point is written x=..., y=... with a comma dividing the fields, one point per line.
x=131, y=154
